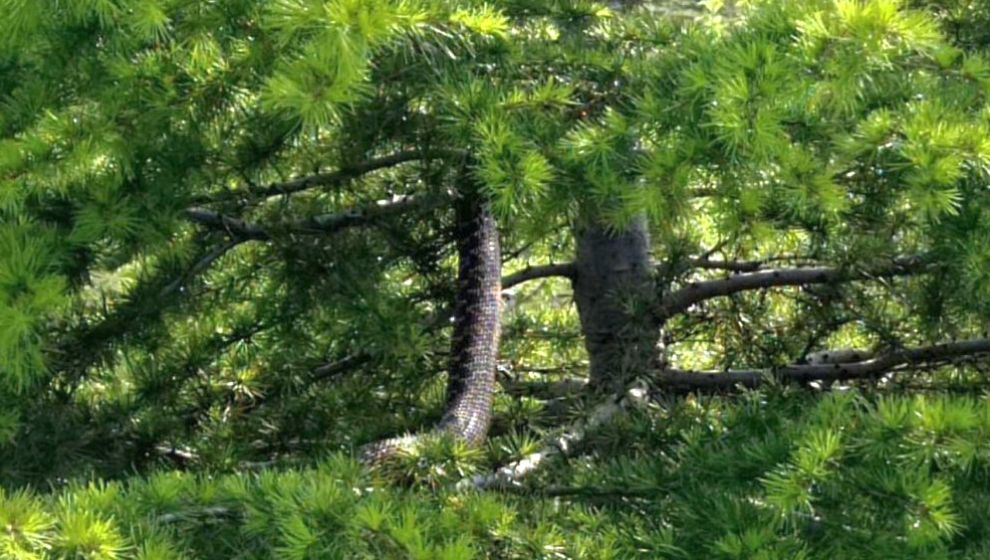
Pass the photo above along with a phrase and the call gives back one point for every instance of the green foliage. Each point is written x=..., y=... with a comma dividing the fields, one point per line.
x=27, y=525
x=768, y=475
x=435, y=461
x=135, y=343
x=30, y=291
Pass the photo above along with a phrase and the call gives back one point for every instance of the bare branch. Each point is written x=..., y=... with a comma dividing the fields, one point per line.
x=182, y=457
x=345, y=364
x=592, y=493
x=695, y=292
x=707, y=263
x=233, y=226
x=732, y=266
x=562, y=444
x=547, y=390
x=566, y=270
x=331, y=223
x=317, y=225
x=837, y=356
x=343, y=174
x=201, y=266
x=876, y=365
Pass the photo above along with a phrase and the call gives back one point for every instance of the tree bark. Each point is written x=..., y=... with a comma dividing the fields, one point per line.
x=614, y=291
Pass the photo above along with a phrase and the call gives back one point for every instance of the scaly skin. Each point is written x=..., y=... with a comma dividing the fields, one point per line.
x=474, y=344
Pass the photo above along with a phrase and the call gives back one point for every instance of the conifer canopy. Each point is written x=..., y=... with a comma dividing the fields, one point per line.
x=745, y=294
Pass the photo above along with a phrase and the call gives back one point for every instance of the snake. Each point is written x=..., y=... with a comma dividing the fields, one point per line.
x=476, y=332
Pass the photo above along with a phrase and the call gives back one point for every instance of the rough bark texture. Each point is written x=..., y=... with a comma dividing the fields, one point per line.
x=474, y=344
x=614, y=292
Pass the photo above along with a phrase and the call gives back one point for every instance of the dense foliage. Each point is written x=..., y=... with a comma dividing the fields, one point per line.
x=769, y=475
x=227, y=253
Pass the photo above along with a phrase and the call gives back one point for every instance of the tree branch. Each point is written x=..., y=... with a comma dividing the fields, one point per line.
x=343, y=365
x=706, y=263
x=331, y=223
x=317, y=225
x=732, y=266
x=236, y=228
x=325, y=224
x=89, y=343
x=198, y=268
x=839, y=371
x=562, y=444
x=695, y=292
x=343, y=174
x=567, y=270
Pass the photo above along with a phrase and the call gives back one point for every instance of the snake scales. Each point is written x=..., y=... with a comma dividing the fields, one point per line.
x=474, y=343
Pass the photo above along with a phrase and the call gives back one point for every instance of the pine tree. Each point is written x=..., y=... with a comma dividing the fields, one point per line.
x=228, y=235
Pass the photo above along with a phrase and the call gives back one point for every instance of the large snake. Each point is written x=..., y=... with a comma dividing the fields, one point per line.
x=474, y=343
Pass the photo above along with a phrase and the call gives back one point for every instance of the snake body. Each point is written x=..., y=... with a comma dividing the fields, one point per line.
x=474, y=343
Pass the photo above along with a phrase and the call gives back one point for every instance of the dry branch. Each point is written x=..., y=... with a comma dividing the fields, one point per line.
x=874, y=366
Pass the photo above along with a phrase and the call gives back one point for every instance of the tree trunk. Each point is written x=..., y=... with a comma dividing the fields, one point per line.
x=614, y=290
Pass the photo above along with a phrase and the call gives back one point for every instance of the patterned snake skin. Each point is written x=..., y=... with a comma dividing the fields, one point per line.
x=474, y=344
